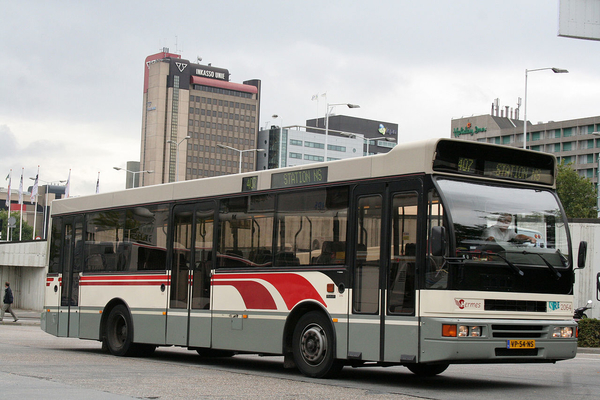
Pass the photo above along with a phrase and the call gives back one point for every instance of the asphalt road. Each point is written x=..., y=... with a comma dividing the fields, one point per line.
x=34, y=364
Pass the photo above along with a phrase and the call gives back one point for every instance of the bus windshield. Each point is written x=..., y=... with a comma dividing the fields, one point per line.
x=506, y=225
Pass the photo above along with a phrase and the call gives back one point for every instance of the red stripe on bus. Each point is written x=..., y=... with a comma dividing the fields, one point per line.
x=123, y=277
x=123, y=283
x=254, y=295
x=124, y=280
x=293, y=288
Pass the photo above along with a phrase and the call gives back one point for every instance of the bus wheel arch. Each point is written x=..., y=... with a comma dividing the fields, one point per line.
x=311, y=341
x=117, y=329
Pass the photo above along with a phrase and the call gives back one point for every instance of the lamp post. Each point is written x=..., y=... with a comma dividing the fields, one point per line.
x=327, y=113
x=177, y=155
x=275, y=116
x=556, y=71
x=597, y=179
x=133, y=173
x=240, y=153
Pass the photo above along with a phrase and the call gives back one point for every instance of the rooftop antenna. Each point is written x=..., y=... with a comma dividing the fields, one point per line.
x=199, y=59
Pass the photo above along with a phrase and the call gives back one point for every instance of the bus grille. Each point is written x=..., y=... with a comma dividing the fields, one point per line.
x=515, y=305
x=518, y=331
x=516, y=352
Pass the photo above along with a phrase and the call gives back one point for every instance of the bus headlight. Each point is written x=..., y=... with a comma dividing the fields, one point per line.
x=465, y=330
x=475, y=331
x=562, y=332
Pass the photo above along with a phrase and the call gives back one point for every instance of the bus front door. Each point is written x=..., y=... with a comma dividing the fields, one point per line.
x=382, y=326
x=72, y=256
x=188, y=314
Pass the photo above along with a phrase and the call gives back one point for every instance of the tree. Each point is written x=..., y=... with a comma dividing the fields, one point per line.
x=577, y=193
x=26, y=234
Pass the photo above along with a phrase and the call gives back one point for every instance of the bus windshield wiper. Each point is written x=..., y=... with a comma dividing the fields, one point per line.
x=563, y=259
x=510, y=264
x=556, y=273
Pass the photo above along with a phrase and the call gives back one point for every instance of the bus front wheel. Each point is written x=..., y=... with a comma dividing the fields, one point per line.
x=119, y=332
x=313, y=346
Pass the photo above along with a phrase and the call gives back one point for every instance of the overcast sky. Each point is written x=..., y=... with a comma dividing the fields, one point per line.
x=71, y=72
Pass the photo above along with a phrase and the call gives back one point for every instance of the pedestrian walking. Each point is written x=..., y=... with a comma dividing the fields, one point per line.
x=8, y=300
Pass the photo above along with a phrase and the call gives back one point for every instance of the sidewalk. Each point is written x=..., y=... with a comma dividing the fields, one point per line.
x=26, y=317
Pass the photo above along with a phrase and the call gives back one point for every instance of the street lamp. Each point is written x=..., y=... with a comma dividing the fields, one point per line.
x=328, y=111
x=275, y=116
x=239, y=151
x=366, y=139
x=556, y=71
x=177, y=155
x=597, y=179
x=133, y=174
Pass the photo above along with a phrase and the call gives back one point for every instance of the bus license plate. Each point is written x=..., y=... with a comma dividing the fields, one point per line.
x=520, y=344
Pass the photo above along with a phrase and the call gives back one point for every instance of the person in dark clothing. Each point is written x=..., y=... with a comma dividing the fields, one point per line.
x=8, y=300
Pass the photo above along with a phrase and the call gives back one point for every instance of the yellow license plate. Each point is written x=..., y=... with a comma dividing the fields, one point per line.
x=520, y=344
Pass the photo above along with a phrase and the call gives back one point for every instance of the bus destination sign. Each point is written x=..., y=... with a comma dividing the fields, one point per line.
x=496, y=162
x=516, y=172
x=299, y=178
x=249, y=183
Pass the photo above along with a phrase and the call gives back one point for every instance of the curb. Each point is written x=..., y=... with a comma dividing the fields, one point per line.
x=588, y=350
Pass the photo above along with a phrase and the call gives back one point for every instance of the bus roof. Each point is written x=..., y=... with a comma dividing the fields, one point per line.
x=424, y=157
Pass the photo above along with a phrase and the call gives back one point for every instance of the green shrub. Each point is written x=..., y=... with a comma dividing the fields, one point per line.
x=589, y=333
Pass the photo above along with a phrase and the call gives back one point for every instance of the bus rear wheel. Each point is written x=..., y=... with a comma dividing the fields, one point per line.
x=313, y=346
x=427, y=369
x=119, y=332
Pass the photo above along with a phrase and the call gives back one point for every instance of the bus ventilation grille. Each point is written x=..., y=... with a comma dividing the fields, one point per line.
x=515, y=305
x=518, y=331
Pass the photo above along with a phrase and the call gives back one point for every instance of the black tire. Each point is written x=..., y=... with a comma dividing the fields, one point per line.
x=313, y=346
x=119, y=332
x=427, y=369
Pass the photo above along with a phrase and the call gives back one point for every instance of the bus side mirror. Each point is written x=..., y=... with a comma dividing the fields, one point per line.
x=438, y=241
x=582, y=255
x=598, y=286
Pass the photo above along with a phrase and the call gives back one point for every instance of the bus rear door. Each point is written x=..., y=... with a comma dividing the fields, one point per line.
x=72, y=256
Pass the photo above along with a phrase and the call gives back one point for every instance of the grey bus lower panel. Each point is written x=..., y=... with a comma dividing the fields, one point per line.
x=493, y=344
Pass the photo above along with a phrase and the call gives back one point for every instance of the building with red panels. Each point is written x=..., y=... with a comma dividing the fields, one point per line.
x=196, y=123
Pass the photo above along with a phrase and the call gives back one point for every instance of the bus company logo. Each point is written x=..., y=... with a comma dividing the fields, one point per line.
x=553, y=305
x=469, y=304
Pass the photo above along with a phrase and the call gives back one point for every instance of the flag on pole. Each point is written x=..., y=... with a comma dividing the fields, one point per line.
x=68, y=187
x=21, y=188
x=34, y=191
x=98, y=183
x=21, y=206
x=9, y=177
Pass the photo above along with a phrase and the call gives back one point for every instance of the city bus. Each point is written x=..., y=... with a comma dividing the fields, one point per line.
x=381, y=260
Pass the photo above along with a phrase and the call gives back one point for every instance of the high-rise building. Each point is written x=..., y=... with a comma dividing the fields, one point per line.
x=196, y=123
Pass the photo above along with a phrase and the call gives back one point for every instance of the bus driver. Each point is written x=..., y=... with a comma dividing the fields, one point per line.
x=501, y=233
